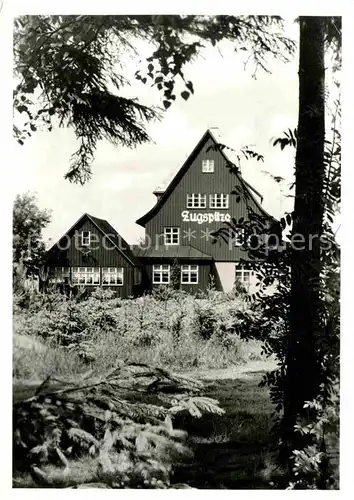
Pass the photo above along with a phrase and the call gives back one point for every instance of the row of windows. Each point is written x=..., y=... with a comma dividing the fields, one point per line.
x=91, y=275
x=216, y=201
x=114, y=275
x=161, y=274
x=198, y=200
x=190, y=274
x=172, y=236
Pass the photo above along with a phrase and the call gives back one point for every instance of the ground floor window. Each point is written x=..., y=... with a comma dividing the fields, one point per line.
x=189, y=274
x=161, y=274
x=112, y=276
x=243, y=274
x=85, y=276
x=60, y=275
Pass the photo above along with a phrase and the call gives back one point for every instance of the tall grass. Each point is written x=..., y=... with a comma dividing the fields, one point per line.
x=66, y=339
x=31, y=363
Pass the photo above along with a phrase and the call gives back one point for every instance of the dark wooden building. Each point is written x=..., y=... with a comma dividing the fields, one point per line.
x=92, y=254
x=200, y=199
x=179, y=240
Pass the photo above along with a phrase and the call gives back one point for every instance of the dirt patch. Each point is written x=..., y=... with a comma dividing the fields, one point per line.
x=26, y=342
x=241, y=371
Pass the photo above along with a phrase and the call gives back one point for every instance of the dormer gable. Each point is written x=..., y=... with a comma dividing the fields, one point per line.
x=86, y=239
x=203, y=158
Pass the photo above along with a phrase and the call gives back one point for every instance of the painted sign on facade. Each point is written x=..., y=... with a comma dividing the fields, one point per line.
x=202, y=218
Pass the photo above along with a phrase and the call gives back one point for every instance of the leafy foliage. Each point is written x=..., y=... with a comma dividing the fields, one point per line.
x=180, y=39
x=289, y=139
x=122, y=422
x=272, y=313
x=28, y=222
x=175, y=275
x=169, y=328
x=317, y=465
x=205, y=321
x=70, y=71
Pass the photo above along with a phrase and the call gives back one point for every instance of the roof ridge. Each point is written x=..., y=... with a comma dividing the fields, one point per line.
x=127, y=253
x=185, y=165
x=170, y=252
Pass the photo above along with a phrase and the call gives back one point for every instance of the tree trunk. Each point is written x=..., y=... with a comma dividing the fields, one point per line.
x=302, y=377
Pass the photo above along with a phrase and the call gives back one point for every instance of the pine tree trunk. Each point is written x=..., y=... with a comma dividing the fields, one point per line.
x=303, y=366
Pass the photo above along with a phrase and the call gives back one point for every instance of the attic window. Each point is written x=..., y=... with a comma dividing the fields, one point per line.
x=85, y=238
x=208, y=166
x=219, y=201
x=196, y=200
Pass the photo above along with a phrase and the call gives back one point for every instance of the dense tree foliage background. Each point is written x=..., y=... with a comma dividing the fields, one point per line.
x=28, y=222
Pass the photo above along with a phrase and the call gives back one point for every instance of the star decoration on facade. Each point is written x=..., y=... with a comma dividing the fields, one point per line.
x=207, y=234
x=191, y=233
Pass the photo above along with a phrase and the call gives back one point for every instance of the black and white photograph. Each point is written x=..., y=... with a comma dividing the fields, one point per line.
x=176, y=233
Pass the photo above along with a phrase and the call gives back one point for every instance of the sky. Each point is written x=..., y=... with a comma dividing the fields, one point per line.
x=123, y=181
x=247, y=111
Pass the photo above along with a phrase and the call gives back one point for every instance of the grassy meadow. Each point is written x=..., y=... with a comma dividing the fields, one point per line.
x=202, y=338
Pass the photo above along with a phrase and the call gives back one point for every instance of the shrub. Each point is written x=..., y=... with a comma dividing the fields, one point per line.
x=167, y=328
x=116, y=429
x=316, y=466
x=205, y=321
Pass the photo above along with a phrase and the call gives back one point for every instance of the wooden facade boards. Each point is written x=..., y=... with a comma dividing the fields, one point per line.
x=193, y=221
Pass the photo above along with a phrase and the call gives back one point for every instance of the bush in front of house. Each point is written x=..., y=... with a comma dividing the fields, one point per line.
x=91, y=428
x=167, y=328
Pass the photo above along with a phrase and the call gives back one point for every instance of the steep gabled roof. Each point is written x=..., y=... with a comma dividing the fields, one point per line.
x=171, y=252
x=110, y=233
x=163, y=198
x=107, y=228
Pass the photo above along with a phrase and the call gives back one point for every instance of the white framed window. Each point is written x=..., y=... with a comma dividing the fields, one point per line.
x=208, y=166
x=85, y=238
x=196, y=200
x=239, y=237
x=189, y=274
x=161, y=274
x=112, y=276
x=171, y=235
x=60, y=275
x=85, y=276
x=219, y=201
x=242, y=274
